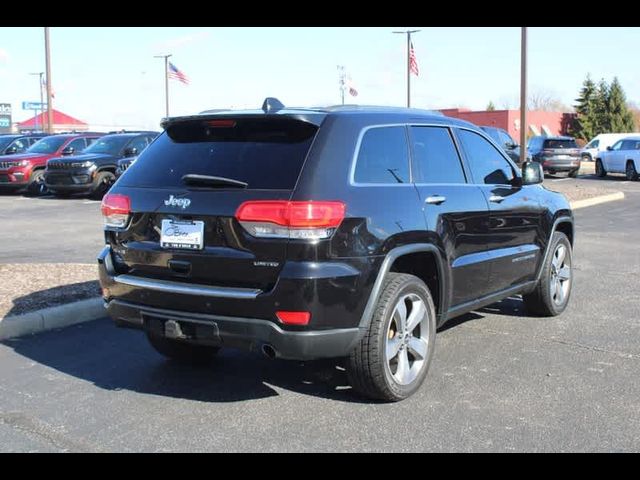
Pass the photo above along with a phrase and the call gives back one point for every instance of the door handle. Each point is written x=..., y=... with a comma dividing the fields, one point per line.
x=436, y=199
x=496, y=198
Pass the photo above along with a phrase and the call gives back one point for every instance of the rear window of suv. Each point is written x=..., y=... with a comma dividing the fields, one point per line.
x=264, y=153
x=560, y=144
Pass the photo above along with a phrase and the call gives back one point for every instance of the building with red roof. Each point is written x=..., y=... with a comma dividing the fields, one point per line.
x=61, y=123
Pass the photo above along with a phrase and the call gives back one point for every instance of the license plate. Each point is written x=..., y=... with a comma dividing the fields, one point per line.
x=182, y=234
x=562, y=157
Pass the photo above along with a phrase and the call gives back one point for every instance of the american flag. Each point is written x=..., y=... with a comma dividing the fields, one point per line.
x=177, y=74
x=352, y=89
x=413, y=63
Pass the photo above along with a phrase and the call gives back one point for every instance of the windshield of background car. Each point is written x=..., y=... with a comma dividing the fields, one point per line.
x=560, y=144
x=47, y=145
x=5, y=141
x=108, y=145
x=266, y=153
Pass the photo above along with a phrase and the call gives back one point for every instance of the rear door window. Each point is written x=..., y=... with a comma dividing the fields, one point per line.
x=383, y=157
x=435, y=158
x=266, y=153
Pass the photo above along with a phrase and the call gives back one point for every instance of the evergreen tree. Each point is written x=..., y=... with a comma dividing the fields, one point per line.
x=491, y=107
x=585, y=122
x=620, y=118
x=601, y=109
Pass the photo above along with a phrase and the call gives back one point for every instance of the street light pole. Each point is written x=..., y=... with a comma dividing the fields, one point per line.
x=523, y=95
x=408, y=34
x=166, y=81
x=40, y=74
x=48, y=62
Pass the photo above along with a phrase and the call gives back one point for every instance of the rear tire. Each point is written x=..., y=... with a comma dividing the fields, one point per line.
x=630, y=171
x=574, y=173
x=102, y=184
x=551, y=295
x=181, y=351
x=600, y=171
x=392, y=359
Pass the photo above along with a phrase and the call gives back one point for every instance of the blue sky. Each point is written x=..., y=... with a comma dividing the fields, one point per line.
x=108, y=76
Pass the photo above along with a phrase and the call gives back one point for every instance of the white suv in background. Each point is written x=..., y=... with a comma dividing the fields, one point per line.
x=622, y=157
x=599, y=144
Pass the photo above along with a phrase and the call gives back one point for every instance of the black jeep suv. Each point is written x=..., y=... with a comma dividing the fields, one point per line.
x=94, y=170
x=349, y=232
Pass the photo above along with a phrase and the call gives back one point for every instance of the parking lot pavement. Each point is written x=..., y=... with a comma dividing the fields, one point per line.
x=49, y=230
x=500, y=380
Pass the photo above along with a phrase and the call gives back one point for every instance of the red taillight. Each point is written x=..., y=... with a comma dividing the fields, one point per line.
x=280, y=218
x=116, y=209
x=294, y=318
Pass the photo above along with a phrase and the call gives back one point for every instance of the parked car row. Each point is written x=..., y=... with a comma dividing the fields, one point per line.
x=65, y=164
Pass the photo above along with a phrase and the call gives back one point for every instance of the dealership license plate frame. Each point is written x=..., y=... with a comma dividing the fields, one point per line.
x=193, y=238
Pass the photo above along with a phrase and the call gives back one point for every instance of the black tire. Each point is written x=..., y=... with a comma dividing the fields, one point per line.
x=36, y=185
x=182, y=352
x=600, y=171
x=541, y=301
x=586, y=158
x=102, y=184
x=369, y=371
x=630, y=171
x=574, y=173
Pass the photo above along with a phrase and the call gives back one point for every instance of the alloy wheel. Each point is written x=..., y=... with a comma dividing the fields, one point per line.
x=407, y=337
x=560, y=275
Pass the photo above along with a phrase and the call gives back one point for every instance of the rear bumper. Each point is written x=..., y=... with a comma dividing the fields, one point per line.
x=245, y=333
x=335, y=295
x=561, y=165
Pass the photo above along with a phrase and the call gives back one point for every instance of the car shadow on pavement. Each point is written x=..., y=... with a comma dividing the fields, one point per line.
x=50, y=297
x=510, y=307
x=119, y=359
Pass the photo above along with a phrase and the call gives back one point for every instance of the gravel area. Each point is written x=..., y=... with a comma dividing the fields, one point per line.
x=578, y=190
x=28, y=287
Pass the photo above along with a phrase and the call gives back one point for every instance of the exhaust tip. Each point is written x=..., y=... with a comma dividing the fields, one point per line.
x=269, y=351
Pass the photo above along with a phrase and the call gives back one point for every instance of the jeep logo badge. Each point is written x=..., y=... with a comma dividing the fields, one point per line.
x=177, y=202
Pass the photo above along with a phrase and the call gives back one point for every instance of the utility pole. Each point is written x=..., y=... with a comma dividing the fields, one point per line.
x=341, y=81
x=523, y=95
x=166, y=81
x=40, y=74
x=48, y=62
x=408, y=34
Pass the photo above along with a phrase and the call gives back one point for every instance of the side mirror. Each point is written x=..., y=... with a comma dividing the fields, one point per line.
x=131, y=152
x=11, y=150
x=609, y=148
x=68, y=151
x=511, y=146
x=532, y=173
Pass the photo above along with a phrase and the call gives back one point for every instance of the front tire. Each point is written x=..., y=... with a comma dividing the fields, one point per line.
x=36, y=186
x=630, y=171
x=392, y=359
x=551, y=295
x=182, y=352
x=103, y=183
x=600, y=171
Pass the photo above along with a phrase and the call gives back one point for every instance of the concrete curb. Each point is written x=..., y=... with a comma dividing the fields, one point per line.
x=52, y=317
x=589, y=202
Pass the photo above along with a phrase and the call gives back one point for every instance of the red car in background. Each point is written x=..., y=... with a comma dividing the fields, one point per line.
x=25, y=171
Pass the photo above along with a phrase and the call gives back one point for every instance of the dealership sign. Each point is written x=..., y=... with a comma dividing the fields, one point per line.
x=5, y=118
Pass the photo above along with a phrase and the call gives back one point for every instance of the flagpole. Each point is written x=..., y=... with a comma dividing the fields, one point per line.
x=48, y=68
x=341, y=81
x=166, y=81
x=408, y=34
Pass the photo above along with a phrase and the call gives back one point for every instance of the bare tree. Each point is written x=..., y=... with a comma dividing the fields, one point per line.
x=546, y=100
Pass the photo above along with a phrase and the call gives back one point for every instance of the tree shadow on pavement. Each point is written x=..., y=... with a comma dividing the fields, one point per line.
x=119, y=359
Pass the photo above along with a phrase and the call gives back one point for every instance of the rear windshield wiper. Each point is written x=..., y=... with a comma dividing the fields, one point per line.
x=211, y=181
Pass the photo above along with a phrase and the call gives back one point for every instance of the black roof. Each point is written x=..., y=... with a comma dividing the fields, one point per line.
x=316, y=115
x=554, y=137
